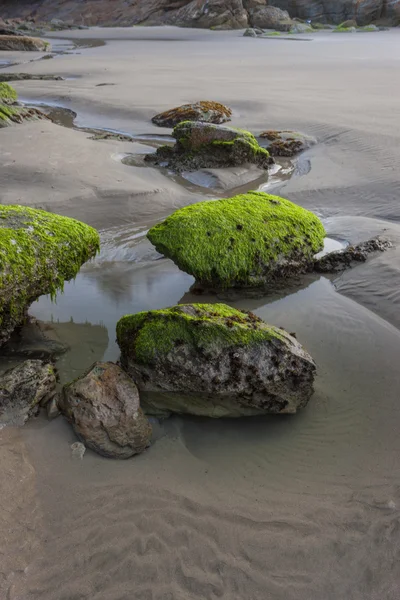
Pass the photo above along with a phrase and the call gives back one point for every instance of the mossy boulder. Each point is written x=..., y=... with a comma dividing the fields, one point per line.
x=213, y=360
x=12, y=112
x=249, y=240
x=38, y=252
x=205, y=111
x=24, y=43
x=204, y=145
x=285, y=143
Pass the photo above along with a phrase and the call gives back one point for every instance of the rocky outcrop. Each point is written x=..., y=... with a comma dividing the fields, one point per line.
x=248, y=241
x=38, y=252
x=205, y=111
x=22, y=390
x=223, y=14
x=11, y=111
x=203, y=145
x=104, y=410
x=23, y=43
x=215, y=361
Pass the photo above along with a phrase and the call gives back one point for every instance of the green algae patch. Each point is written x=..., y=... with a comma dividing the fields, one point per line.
x=38, y=252
x=7, y=94
x=147, y=336
x=245, y=241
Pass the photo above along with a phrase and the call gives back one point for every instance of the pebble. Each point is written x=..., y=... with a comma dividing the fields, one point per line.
x=78, y=450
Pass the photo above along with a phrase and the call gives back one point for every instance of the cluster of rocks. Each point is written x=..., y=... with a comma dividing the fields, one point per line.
x=201, y=359
x=214, y=14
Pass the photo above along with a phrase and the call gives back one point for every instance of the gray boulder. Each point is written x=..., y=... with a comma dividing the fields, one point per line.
x=213, y=360
x=104, y=409
x=214, y=14
x=23, y=389
x=250, y=33
x=270, y=17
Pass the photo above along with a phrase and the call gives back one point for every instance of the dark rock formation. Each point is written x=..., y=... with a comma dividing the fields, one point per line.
x=222, y=14
x=204, y=145
x=285, y=143
x=23, y=388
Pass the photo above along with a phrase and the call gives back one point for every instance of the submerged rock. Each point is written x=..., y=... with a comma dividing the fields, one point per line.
x=205, y=111
x=214, y=360
x=29, y=76
x=338, y=261
x=245, y=241
x=23, y=388
x=38, y=252
x=203, y=145
x=19, y=43
x=286, y=143
x=104, y=410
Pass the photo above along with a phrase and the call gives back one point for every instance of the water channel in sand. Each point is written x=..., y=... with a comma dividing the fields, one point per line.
x=292, y=508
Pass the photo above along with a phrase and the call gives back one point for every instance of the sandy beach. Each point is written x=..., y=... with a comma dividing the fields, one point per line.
x=302, y=507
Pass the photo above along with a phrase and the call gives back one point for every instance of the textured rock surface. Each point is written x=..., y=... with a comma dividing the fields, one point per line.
x=338, y=261
x=38, y=252
x=229, y=14
x=245, y=241
x=18, y=43
x=23, y=388
x=214, y=360
x=204, y=145
x=104, y=410
x=270, y=17
x=205, y=111
x=285, y=143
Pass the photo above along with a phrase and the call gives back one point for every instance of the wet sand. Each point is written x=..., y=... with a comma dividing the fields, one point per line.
x=294, y=508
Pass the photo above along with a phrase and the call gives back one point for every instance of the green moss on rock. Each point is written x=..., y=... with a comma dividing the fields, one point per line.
x=244, y=241
x=7, y=93
x=38, y=252
x=151, y=334
x=205, y=145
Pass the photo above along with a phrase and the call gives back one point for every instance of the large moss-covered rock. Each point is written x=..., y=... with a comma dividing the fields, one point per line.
x=104, y=410
x=12, y=112
x=23, y=43
x=213, y=360
x=204, y=145
x=205, y=111
x=38, y=252
x=245, y=241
